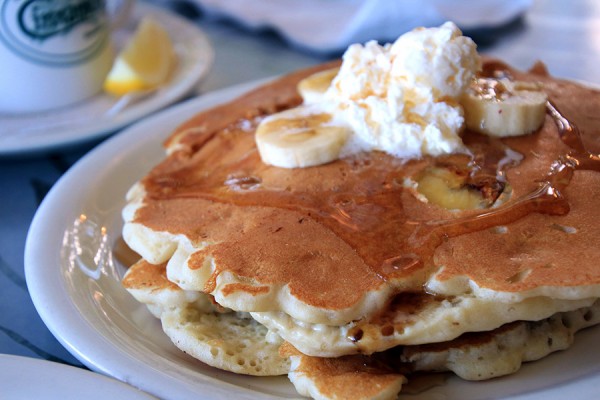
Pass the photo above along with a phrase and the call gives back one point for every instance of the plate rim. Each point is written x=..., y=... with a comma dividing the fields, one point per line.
x=77, y=377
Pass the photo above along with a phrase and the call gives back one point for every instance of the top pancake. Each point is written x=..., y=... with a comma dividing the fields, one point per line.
x=333, y=243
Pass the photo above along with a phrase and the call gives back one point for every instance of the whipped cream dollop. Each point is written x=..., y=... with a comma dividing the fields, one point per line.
x=403, y=98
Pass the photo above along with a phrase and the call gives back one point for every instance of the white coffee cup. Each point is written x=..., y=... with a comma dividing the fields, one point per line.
x=54, y=53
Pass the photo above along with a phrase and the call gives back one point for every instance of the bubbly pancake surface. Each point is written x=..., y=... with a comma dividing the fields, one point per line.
x=201, y=328
x=484, y=355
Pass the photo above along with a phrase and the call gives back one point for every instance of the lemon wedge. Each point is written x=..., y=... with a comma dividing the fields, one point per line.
x=144, y=63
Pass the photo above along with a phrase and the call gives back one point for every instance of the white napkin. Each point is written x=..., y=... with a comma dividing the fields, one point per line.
x=331, y=25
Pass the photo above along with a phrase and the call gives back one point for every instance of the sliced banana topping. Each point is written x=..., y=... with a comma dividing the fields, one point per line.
x=449, y=190
x=313, y=87
x=305, y=136
x=300, y=137
x=502, y=108
x=456, y=189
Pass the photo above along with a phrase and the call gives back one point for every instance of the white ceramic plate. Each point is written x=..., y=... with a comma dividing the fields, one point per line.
x=73, y=277
x=29, y=378
x=103, y=114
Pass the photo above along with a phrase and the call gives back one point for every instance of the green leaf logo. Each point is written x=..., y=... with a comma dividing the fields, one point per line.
x=54, y=32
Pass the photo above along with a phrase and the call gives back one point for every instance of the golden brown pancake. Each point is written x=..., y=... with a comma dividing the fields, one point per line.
x=349, y=377
x=348, y=246
x=353, y=221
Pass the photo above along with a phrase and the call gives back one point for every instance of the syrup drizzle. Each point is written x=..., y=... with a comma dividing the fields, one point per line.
x=370, y=217
x=349, y=213
x=548, y=198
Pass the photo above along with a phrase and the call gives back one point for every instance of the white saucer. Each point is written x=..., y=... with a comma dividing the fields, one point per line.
x=30, y=378
x=95, y=118
x=73, y=275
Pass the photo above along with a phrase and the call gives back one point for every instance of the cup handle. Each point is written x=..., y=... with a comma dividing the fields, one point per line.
x=119, y=12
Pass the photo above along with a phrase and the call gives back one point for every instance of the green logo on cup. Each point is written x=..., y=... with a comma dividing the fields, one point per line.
x=54, y=32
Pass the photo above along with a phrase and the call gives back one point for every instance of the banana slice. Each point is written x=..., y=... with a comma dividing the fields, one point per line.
x=502, y=108
x=454, y=189
x=299, y=137
x=314, y=86
x=446, y=189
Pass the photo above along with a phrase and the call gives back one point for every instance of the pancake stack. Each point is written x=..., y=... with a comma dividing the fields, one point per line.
x=351, y=275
